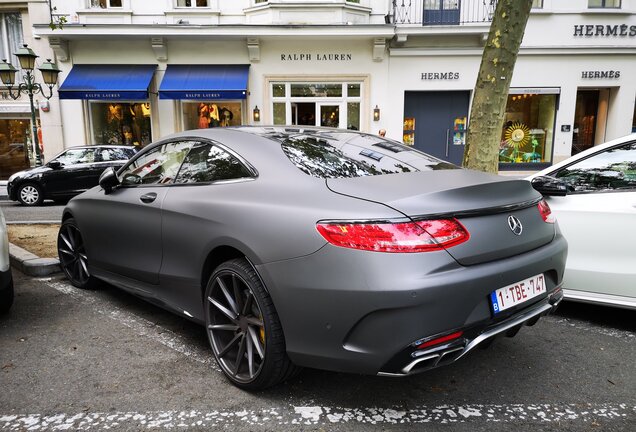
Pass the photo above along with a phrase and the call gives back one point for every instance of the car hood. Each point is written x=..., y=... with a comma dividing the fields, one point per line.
x=29, y=172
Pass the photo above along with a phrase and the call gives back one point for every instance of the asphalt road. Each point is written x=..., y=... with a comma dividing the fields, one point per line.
x=77, y=360
x=15, y=212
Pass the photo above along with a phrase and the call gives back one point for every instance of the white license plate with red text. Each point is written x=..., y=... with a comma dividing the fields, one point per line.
x=517, y=293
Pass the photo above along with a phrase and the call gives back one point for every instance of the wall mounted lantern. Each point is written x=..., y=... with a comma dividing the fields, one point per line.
x=376, y=113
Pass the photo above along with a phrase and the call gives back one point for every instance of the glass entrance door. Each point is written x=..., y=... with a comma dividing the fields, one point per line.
x=585, y=118
x=329, y=115
x=303, y=113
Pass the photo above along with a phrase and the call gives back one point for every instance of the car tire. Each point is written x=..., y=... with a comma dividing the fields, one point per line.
x=30, y=194
x=243, y=328
x=72, y=255
x=6, y=298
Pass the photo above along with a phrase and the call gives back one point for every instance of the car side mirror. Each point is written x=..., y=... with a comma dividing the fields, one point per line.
x=108, y=180
x=550, y=186
x=54, y=164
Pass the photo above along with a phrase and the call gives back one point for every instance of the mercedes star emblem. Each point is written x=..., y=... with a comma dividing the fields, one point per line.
x=515, y=225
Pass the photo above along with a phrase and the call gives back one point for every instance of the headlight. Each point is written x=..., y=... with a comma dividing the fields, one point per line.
x=15, y=176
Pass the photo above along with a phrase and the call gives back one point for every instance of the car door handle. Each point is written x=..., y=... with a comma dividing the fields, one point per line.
x=148, y=198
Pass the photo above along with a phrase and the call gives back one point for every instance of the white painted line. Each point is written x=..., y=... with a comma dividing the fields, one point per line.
x=139, y=325
x=585, y=326
x=320, y=415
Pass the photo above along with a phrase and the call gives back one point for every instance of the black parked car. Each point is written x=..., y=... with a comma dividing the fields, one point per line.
x=68, y=174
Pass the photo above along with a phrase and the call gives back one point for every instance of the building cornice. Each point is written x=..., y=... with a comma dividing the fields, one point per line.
x=90, y=31
x=524, y=51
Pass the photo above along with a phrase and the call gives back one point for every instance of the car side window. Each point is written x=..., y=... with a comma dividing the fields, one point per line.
x=158, y=166
x=77, y=156
x=114, y=154
x=208, y=163
x=612, y=169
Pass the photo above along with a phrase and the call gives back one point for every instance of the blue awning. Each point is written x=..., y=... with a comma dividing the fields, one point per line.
x=108, y=82
x=204, y=82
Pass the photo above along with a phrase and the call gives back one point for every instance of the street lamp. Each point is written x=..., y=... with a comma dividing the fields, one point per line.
x=28, y=86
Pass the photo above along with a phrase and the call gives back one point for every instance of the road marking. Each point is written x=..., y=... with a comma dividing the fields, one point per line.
x=320, y=415
x=582, y=325
x=139, y=325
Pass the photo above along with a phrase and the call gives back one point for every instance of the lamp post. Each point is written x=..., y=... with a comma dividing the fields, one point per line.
x=29, y=86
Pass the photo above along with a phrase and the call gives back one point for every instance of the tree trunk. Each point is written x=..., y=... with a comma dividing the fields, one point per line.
x=491, y=91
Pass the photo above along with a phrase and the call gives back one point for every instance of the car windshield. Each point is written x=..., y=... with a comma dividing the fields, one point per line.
x=324, y=156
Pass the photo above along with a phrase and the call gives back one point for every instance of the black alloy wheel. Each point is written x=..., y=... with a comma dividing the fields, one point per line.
x=30, y=194
x=72, y=254
x=243, y=328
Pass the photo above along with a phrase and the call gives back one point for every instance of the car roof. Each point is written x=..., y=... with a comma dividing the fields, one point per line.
x=99, y=145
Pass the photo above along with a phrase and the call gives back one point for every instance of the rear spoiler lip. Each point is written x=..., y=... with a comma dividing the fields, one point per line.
x=479, y=212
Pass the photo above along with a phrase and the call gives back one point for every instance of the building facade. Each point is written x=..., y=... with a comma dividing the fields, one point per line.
x=134, y=71
x=16, y=142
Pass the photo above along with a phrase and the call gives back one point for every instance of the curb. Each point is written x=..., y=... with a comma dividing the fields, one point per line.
x=31, y=264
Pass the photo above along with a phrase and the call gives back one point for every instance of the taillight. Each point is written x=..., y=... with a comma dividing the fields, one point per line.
x=546, y=213
x=423, y=236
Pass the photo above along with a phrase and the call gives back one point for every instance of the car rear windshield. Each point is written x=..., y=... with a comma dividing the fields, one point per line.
x=357, y=156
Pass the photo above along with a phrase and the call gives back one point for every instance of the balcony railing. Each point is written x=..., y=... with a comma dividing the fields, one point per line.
x=442, y=12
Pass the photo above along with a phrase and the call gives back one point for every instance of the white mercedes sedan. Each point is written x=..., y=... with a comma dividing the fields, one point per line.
x=593, y=196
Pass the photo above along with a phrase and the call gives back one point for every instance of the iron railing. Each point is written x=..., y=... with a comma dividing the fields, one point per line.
x=441, y=12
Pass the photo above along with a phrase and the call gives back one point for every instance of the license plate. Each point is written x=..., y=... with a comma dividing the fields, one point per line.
x=517, y=293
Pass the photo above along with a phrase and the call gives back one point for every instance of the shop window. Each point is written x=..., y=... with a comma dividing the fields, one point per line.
x=317, y=104
x=11, y=36
x=121, y=123
x=203, y=115
x=104, y=4
x=609, y=4
x=353, y=90
x=528, y=129
x=353, y=114
x=159, y=166
x=14, y=146
x=537, y=4
x=279, y=113
x=192, y=3
x=207, y=163
x=316, y=90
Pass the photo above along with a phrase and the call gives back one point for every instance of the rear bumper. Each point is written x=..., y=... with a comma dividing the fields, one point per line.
x=357, y=311
x=412, y=360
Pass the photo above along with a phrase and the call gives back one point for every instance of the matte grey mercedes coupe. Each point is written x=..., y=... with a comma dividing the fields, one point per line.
x=318, y=247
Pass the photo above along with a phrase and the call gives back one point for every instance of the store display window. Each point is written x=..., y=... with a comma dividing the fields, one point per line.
x=528, y=130
x=121, y=123
x=203, y=115
x=15, y=143
x=315, y=103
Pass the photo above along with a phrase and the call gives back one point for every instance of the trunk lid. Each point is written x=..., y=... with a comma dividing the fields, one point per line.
x=481, y=202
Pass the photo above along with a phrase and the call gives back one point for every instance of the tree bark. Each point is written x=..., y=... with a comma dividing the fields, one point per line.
x=493, y=82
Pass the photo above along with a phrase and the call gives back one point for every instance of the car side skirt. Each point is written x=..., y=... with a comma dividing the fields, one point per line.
x=600, y=299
